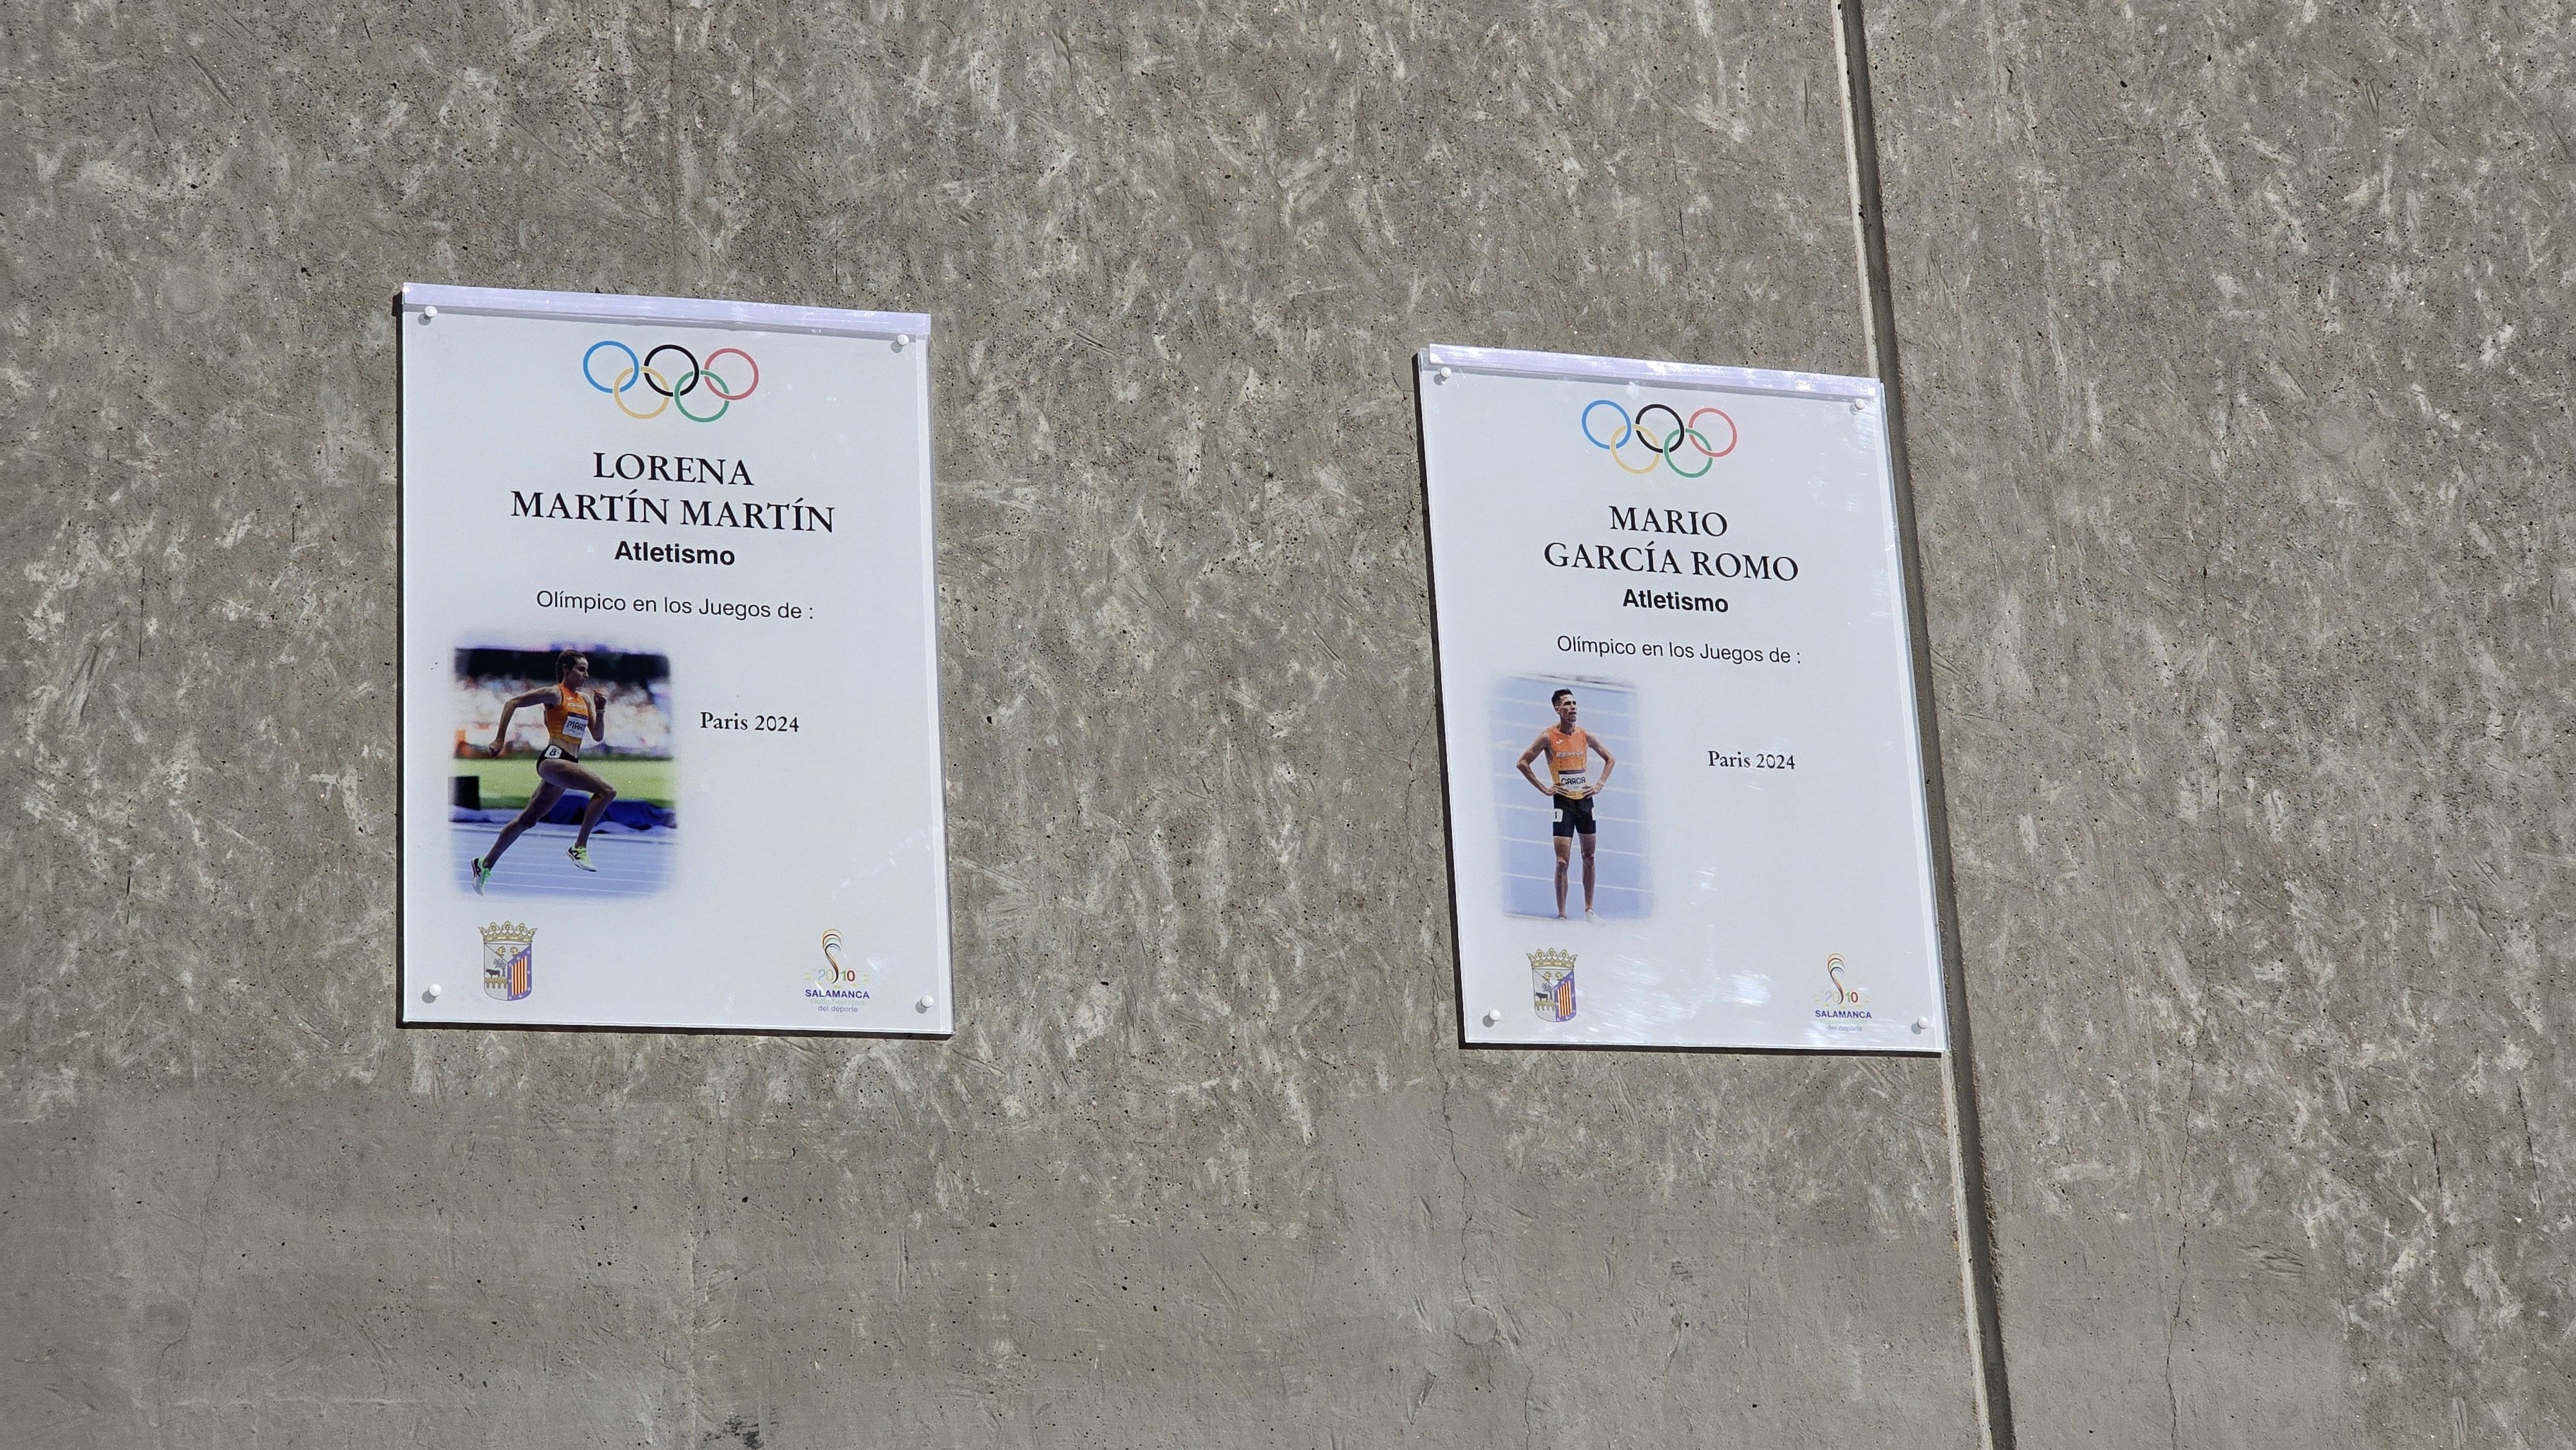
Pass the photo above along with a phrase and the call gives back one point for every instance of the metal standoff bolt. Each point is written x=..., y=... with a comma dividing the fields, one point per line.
x=429, y=993
x=1920, y=1024
x=428, y=315
x=925, y=1004
x=1492, y=1016
x=1441, y=376
x=902, y=340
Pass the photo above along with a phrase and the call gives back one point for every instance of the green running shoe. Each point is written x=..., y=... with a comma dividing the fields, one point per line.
x=482, y=873
x=581, y=857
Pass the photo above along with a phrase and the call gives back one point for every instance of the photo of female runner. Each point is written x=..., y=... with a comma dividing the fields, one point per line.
x=569, y=713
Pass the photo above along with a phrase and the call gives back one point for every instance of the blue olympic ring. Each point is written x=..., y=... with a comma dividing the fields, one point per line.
x=626, y=379
x=1624, y=426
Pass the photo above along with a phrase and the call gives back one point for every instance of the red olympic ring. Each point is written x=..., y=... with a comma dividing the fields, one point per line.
x=715, y=384
x=1700, y=440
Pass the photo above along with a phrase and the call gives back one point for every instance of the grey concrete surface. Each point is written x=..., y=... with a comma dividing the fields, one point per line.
x=1204, y=1165
x=2236, y=339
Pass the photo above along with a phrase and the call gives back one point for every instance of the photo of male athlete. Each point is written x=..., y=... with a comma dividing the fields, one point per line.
x=570, y=713
x=1568, y=748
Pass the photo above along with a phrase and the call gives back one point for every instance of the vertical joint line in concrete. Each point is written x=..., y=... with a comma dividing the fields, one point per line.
x=678, y=264
x=1969, y=1198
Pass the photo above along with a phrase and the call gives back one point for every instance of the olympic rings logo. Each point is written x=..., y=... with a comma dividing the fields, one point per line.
x=670, y=386
x=1663, y=445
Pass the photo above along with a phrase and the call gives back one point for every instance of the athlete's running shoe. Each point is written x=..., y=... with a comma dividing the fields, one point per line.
x=581, y=857
x=482, y=873
x=1588, y=916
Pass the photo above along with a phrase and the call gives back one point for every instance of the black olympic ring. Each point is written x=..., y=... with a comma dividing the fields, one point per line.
x=1646, y=435
x=684, y=389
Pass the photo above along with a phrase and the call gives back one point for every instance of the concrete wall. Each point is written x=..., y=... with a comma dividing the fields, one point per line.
x=2234, y=406
x=2236, y=340
x=1204, y=1165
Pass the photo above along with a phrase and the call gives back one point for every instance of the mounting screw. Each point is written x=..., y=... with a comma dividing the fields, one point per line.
x=428, y=315
x=925, y=1004
x=902, y=340
x=1920, y=1024
x=1492, y=1017
x=429, y=993
x=1441, y=376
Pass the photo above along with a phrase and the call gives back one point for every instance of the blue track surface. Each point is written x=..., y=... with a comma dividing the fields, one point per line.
x=629, y=864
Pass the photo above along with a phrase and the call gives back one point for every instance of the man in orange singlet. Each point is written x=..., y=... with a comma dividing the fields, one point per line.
x=570, y=714
x=1568, y=748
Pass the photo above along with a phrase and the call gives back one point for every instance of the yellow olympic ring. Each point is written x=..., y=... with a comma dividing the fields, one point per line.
x=627, y=379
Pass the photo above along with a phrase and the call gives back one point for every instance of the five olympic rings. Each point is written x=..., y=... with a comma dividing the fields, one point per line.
x=1662, y=444
x=658, y=379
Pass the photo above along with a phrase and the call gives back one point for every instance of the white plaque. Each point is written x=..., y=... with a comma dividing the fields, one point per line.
x=1675, y=677
x=670, y=704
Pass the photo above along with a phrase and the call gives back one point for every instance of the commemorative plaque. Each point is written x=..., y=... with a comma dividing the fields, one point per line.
x=670, y=749
x=1686, y=794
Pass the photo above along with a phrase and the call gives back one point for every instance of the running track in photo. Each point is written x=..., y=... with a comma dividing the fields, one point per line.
x=630, y=864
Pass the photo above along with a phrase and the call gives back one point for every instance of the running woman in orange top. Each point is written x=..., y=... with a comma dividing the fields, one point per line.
x=570, y=713
x=1568, y=748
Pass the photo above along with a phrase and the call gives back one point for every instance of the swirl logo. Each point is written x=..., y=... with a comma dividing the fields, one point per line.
x=1658, y=435
x=834, y=972
x=670, y=381
x=1844, y=994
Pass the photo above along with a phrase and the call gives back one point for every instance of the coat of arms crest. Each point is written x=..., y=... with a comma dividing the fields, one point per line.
x=509, y=954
